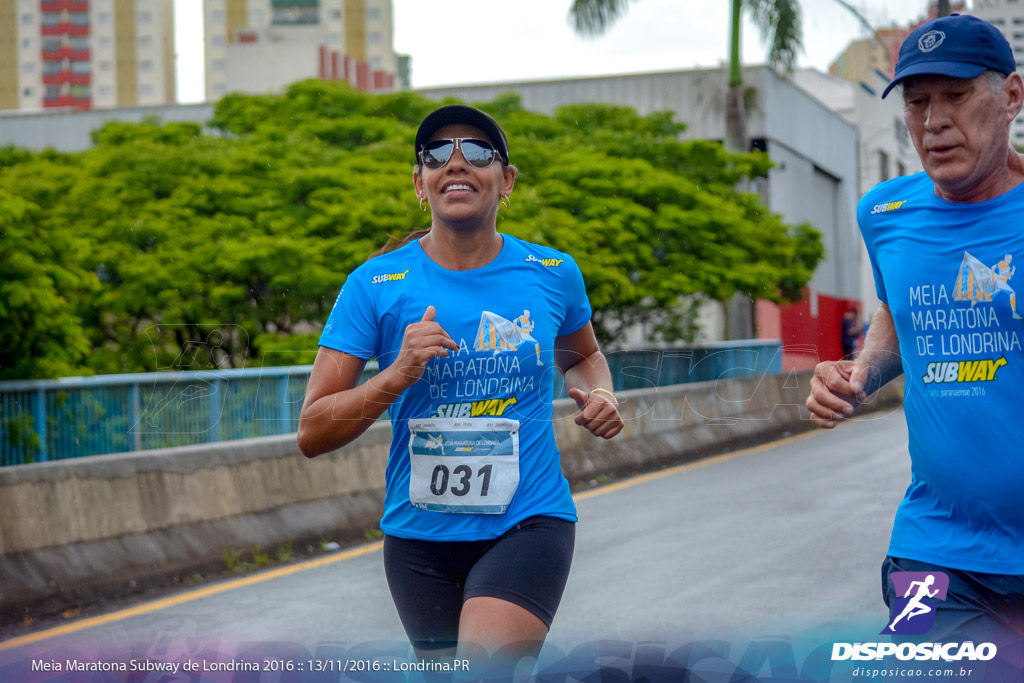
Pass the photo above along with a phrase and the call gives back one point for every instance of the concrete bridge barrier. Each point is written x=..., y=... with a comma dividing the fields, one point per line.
x=110, y=524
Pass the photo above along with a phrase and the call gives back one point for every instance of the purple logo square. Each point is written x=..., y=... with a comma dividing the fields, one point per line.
x=912, y=612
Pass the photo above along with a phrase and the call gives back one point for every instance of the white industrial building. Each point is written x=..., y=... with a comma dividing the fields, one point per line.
x=884, y=148
x=815, y=179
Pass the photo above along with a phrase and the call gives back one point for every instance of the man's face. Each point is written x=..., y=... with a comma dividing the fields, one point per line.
x=960, y=127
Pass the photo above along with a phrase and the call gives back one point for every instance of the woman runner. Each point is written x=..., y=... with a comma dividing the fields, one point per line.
x=467, y=326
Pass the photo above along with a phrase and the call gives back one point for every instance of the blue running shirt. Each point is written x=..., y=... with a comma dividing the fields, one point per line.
x=947, y=271
x=482, y=404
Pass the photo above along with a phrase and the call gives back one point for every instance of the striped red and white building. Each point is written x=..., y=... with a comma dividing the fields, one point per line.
x=98, y=54
x=86, y=53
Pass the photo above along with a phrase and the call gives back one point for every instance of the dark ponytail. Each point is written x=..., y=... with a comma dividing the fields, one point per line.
x=394, y=243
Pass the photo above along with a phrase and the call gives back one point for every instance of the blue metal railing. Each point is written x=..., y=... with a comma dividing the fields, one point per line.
x=642, y=369
x=77, y=416
x=72, y=417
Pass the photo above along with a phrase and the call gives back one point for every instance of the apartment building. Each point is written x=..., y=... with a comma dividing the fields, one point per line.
x=86, y=54
x=258, y=46
x=1008, y=16
x=861, y=58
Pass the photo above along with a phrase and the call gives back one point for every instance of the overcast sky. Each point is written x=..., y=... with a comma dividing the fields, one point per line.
x=478, y=41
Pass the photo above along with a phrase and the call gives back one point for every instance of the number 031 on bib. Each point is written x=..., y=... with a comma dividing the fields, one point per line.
x=463, y=465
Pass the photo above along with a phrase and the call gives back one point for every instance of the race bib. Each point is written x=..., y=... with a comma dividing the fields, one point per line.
x=468, y=465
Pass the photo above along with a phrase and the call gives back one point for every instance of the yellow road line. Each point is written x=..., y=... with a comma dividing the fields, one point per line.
x=197, y=594
x=225, y=586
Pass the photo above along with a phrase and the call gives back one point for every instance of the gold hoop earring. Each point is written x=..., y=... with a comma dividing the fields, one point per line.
x=505, y=201
x=423, y=204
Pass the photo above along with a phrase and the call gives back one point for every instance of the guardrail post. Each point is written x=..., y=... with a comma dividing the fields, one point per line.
x=284, y=413
x=775, y=364
x=39, y=418
x=215, y=403
x=135, y=408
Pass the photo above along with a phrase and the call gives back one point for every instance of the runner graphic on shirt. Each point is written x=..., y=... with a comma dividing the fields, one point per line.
x=977, y=282
x=498, y=334
x=1003, y=272
x=526, y=325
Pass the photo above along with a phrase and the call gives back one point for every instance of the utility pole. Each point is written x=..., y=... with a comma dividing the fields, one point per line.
x=942, y=8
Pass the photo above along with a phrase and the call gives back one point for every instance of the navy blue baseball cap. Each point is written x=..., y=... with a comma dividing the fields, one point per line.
x=460, y=113
x=959, y=45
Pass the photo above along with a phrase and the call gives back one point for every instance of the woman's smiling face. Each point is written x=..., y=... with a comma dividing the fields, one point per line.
x=460, y=191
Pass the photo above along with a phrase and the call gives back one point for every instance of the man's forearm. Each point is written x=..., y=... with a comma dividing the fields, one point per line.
x=881, y=351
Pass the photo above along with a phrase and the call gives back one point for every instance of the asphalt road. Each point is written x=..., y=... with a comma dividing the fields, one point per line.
x=782, y=540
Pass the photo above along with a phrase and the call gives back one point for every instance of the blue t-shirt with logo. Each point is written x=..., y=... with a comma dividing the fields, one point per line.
x=505, y=317
x=947, y=271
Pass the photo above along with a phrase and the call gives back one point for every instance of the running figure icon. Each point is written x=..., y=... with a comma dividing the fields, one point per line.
x=1003, y=271
x=526, y=326
x=915, y=607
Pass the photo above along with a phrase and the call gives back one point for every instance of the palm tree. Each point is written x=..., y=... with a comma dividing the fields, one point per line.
x=778, y=21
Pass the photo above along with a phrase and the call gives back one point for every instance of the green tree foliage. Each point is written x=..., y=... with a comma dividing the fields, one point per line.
x=40, y=333
x=164, y=247
x=651, y=219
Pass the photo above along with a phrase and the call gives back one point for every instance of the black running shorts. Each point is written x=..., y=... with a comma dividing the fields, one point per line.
x=430, y=580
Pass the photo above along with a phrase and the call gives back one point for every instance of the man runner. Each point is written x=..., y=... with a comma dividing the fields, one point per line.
x=961, y=353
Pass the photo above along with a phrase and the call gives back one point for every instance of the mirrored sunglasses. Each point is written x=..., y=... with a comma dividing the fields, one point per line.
x=478, y=153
